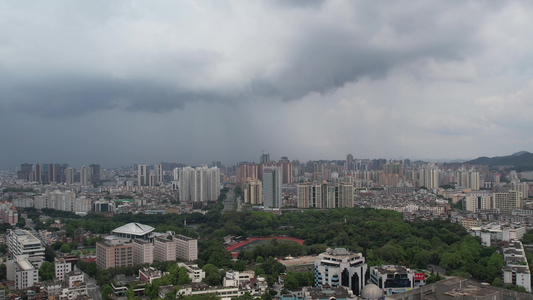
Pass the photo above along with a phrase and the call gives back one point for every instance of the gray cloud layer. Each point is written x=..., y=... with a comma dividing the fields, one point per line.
x=86, y=66
x=412, y=73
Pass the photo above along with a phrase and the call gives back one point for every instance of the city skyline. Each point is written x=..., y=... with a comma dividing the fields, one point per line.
x=273, y=161
x=122, y=83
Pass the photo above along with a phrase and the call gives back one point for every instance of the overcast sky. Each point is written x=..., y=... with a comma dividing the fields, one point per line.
x=124, y=82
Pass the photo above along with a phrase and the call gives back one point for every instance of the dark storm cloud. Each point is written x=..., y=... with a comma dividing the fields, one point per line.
x=326, y=48
x=76, y=95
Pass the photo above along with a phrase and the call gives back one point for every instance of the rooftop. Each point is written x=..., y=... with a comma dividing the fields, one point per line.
x=134, y=229
x=338, y=251
x=25, y=265
x=392, y=269
x=470, y=290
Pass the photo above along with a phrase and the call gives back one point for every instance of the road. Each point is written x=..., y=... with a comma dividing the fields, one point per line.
x=228, y=202
x=92, y=288
x=29, y=223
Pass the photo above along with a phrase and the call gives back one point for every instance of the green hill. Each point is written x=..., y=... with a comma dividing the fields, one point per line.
x=520, y=161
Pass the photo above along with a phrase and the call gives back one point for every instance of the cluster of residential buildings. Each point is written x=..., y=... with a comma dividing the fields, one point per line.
x=276, y=184
x=27, y=256
x=417, y=190
x=8, y=213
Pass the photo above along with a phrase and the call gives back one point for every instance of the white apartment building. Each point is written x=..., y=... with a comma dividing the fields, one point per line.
x=236, y=279
x=22, y=242
x=199, y=184
x=516, y=270
x=22, y=272
x=195, y=273
x=62, y=268
x=74, y=279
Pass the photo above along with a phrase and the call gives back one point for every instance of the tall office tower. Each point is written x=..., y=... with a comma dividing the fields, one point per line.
x=157, y=178
x=253, y=193
x=477, y=201
x=265, y=158
x=286, y=170
x=271, y=186
x=94, y=173
x=186, y=247
x=522, y=187
x=199, y=184
x=84, y=176
x=176, y=174
x=340, y=267
x=38, y=172
x=143, y=252
x=245, y=170
x=350, y=166
x=164, y=249
x=60, y=173
x=44, y=173
x=142, y=175
x=52, y=173
x=310, y=195
x=24, y=243
x=69, y=176
x=508, y=201
x=25, y=171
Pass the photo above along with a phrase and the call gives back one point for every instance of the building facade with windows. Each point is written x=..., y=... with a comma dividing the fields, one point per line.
x=340, y=267
x=186, y=247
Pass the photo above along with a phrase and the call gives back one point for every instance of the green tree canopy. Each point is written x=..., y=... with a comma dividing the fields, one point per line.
x=47, y=271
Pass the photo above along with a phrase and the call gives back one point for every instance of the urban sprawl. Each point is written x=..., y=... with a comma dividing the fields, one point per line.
x=64, y=228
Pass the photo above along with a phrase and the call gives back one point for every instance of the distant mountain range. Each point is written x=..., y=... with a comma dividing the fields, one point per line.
x=520, y=161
